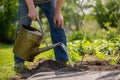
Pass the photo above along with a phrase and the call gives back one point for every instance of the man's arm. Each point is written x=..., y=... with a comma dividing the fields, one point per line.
x=32, y=10
x=58, y=18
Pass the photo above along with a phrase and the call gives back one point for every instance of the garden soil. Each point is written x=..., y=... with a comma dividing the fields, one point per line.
x=41, y=66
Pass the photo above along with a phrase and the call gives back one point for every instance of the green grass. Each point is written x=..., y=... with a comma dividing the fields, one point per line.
x=7, y=60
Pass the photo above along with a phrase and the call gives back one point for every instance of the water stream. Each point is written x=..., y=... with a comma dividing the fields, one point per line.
x=68, y=54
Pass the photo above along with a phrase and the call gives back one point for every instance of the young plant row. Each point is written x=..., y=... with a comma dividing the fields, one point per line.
x=101, y=49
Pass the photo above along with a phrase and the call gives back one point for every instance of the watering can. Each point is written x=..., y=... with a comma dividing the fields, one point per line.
x=28, y=41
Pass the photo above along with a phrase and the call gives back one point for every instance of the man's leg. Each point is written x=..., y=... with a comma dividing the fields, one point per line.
x=22, y=11
x=57, y=34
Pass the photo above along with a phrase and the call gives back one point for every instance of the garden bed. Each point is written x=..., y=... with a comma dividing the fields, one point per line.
x=51, y=65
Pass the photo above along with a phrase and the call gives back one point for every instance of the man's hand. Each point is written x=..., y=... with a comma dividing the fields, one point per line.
x=33, y=14
x=58, y=18
x=32, y=10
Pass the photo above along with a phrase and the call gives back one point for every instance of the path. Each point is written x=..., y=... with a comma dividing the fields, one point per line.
x=87, y=75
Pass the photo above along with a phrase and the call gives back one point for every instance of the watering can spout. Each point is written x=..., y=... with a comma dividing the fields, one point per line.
x=49, y=47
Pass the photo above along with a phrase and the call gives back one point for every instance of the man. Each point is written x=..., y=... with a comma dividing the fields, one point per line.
x=52, y=10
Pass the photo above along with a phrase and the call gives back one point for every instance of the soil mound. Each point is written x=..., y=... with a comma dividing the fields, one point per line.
x=51, y=65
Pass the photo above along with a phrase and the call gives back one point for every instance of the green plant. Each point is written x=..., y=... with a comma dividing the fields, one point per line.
x=100, y=55
x=73, y=50
x=101, y=49
x=114, y=61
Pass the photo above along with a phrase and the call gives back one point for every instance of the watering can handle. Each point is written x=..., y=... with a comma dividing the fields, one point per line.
x=41, y=27
x=38, y=21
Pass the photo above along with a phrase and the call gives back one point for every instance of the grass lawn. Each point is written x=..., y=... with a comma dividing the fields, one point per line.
x=7, y=61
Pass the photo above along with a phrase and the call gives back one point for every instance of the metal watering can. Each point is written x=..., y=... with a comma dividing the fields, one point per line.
x=28, y=41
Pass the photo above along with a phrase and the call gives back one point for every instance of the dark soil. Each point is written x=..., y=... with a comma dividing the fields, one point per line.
x=51, y=65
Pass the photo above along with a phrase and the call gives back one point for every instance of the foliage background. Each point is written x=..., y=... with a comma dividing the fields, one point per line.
x=101, y=11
